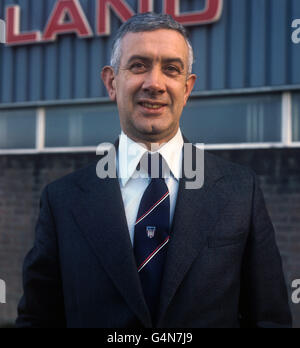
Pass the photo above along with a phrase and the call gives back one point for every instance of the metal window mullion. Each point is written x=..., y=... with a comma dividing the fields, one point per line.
x=286, y=114
x=40, y=129
x=2, y=31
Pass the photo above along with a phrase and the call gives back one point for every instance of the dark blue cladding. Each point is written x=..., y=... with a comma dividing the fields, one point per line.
x=250, y=46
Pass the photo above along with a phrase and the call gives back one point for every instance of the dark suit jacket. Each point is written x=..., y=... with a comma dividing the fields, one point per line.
x=223, y=268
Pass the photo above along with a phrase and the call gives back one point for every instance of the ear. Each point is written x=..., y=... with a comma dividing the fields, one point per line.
x=190, y=83
x=108, y=78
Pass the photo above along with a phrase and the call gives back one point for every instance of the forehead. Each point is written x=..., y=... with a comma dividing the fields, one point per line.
x=157, y=44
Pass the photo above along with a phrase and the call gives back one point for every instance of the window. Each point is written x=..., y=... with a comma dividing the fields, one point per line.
x=81, y=125
x=296, y=117
x=231, y=120
x=17, y=129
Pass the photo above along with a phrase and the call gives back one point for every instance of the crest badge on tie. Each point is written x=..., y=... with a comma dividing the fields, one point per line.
x=150, y=231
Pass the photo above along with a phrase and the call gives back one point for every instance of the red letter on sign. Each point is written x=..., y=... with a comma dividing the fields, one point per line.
x=145, y=6
x=121, y=8
x=57, y=25
x=13, y=36
x=211, y=13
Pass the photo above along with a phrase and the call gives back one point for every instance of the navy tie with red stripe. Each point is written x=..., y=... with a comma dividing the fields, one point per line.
x=151, y=234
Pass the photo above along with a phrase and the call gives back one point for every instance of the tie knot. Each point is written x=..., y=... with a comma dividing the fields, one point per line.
x=154, y=164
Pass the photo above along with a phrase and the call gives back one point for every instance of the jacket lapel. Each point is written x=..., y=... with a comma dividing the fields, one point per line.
x=196, y=213
x=100, y=204
x=100, y=207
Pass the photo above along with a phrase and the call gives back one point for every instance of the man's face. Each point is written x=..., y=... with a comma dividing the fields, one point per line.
x=152, y=85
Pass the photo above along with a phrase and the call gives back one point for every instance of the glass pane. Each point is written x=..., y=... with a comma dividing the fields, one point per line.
x=17, y=129
x=81, y=125
x=229, y=120
x=296, y=117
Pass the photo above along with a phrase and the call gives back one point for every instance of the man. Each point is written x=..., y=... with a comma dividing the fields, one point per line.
x=147, y=251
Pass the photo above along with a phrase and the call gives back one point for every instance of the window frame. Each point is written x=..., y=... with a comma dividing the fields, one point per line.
x=292, y=119
x=286, y=133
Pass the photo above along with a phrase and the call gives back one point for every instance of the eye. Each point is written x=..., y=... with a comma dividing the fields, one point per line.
x=172, y=69
x=138, y=67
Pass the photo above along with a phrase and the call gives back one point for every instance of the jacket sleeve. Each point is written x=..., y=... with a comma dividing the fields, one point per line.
x=42, y=302
x=264, y=298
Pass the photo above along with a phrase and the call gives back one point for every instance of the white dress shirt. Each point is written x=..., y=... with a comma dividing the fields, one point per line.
x=132, y=187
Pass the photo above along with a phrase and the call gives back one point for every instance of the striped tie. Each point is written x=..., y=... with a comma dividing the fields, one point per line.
x=151, y=234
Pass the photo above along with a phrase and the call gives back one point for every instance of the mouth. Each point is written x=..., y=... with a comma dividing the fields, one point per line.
x=152, y=106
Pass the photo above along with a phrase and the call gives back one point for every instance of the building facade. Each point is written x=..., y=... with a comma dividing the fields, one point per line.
x=54, y=110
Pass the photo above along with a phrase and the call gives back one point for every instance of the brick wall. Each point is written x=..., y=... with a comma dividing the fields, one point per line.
x=22, y=179
x=279, y=174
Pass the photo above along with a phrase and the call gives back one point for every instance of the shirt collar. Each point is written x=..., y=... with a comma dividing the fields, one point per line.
x=130, y=154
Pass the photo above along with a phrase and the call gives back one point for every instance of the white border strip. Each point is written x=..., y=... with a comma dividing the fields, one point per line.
x=49, y=150
x=93, y=149
x=2, y=31
x=287, y=119
x=40, y=128
x=295, y=144
x=244, y=146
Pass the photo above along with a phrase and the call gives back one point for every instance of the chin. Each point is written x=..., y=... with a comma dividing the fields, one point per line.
x=156, y=131
x=157, y=135
x=153, y=130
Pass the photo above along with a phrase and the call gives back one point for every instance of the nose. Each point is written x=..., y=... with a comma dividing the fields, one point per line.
x=154, y=82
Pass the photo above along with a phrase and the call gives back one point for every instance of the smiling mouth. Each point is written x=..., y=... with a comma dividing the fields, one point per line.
x=152, y=106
